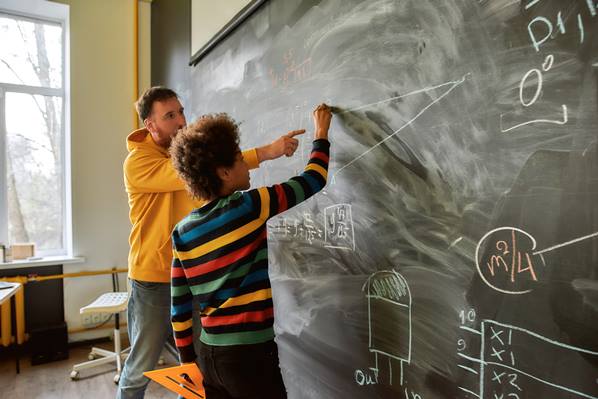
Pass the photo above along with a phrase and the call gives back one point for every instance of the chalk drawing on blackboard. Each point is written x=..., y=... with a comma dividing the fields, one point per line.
x=391, y=99
x=457, y=241
x=550, y=121
x=564, y=244
x=338, y=227
x=468, y=317
x=304, y=228
x=502, y=376
x=389, y=319
x=531, y=4
x=539, y=75
x=451, y=86
x=592, y=144
x=338, y=231
x=547, y=28
x=293, y=72
x=509, y=253
x=509, y=261
x=463, y=345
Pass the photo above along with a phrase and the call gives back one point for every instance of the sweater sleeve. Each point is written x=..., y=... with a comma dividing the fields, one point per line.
x=280, y=197
x=149, y=173
x=181, y=310
x=250, y=157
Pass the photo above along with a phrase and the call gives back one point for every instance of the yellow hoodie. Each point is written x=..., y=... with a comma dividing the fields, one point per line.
x=157, y=201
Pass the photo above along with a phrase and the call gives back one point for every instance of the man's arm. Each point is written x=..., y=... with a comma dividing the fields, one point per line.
x=284, y=145
x=251, y=158
x=146, y=173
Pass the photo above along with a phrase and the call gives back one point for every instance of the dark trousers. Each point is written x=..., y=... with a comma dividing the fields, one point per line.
x=241, y=371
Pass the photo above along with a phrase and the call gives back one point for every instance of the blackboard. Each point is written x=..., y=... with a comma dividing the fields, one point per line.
x=454, y=252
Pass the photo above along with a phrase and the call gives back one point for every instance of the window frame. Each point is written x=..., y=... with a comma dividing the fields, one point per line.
x=39, y=11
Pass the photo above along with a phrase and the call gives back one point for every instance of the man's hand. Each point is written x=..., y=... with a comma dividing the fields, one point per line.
x=285, y=145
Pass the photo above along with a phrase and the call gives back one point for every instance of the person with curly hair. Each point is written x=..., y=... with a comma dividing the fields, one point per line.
x=158, y=200
x=220, y=256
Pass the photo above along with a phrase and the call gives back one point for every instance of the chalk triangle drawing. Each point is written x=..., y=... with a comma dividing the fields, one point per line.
x=451, y=86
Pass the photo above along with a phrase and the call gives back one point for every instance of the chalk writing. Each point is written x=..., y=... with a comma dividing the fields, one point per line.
x=412, y=395
x=508, y=253
x=336, y=230
x=467, y=319
x=541, y=29
x=293, y=72
x=304, y=229
x=511, y=252
x=501, y=375
x=338, y=227
x=366, y=378
x=538, y=74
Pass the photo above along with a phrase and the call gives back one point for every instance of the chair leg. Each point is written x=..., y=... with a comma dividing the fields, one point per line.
x=107, y=356
x=100, y=352
x=117, y=349
x=93, y=363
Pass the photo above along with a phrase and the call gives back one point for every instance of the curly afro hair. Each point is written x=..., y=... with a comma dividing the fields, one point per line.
x=198, y=150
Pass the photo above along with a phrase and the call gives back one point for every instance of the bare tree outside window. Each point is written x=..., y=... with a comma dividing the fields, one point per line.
x=32, y=56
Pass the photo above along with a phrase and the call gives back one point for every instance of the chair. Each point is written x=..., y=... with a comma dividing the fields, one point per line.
x=111, y=302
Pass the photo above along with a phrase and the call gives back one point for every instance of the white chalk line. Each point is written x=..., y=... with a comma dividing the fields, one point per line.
x=454, y=85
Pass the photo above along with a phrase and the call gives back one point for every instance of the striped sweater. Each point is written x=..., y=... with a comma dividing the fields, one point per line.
x=220, y=257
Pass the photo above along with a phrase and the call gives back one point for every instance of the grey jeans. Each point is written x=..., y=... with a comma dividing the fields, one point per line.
x=149, y=328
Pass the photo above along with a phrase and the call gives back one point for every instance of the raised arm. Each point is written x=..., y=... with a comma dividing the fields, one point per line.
x=280, y=197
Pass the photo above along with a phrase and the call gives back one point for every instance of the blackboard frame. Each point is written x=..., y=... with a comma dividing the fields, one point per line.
x=230, y=26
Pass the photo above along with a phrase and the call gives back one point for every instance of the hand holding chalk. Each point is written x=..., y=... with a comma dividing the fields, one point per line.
x=322, y=117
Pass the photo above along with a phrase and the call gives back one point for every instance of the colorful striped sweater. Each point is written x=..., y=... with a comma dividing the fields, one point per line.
x=220, y=257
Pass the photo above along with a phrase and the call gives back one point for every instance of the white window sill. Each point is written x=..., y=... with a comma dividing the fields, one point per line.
x=42, y=261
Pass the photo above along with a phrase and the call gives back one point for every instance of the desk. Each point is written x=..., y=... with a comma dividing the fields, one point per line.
x=14, y=291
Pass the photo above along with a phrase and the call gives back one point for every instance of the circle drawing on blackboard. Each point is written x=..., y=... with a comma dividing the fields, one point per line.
x=506, y=260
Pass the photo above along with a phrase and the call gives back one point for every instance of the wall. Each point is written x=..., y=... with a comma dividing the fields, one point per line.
x=170, y=33
x=213, y=16
x=102, y=95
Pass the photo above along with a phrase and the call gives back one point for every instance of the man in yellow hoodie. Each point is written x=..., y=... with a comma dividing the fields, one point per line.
x=158, y=201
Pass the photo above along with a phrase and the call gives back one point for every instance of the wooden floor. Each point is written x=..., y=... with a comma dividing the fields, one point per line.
x=51, y=380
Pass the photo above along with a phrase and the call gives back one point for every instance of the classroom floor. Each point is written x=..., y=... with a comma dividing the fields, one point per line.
x=52, y=381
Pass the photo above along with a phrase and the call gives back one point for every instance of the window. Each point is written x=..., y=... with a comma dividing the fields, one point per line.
x=34, y=174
